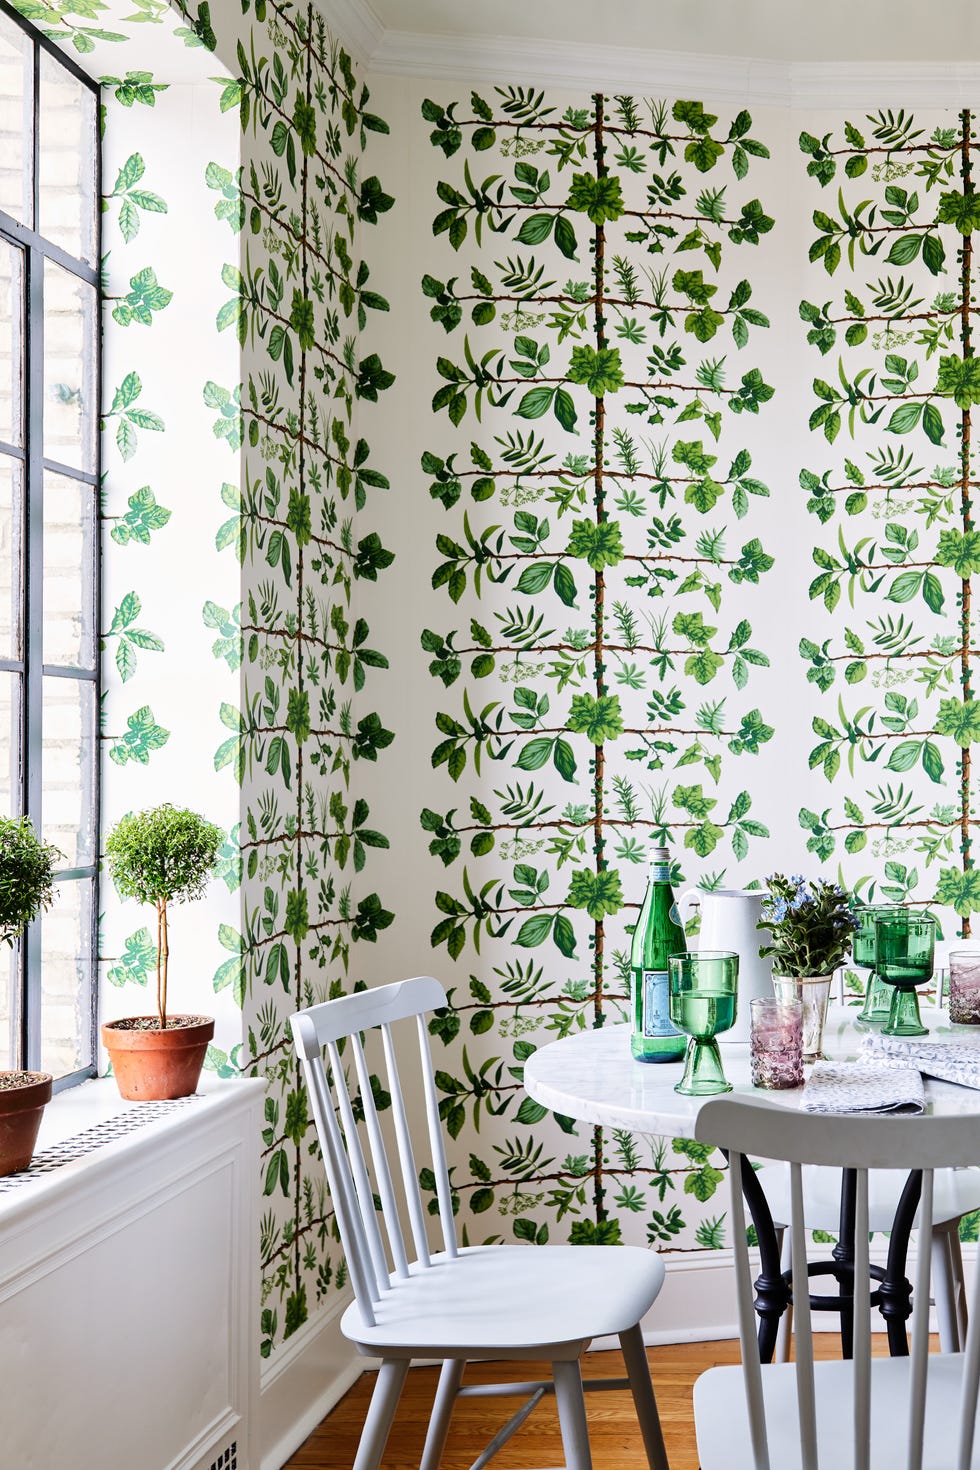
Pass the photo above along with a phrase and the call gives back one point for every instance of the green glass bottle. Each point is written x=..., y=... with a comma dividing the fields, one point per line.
x=658, y=933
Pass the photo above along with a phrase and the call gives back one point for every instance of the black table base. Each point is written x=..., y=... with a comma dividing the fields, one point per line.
x=774, y=1286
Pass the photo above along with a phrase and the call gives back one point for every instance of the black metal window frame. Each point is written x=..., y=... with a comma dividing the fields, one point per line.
x=36, y=252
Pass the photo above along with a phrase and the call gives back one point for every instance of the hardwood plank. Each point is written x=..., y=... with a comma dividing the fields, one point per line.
x=614, y=1435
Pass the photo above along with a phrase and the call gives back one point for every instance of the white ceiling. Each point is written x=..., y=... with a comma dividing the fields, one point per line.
x=778, y=30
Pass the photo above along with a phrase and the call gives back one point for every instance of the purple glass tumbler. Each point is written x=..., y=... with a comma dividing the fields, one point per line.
x=964, y=987
x=777, y=1043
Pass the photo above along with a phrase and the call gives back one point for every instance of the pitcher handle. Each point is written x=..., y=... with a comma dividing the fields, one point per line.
x=689, y=893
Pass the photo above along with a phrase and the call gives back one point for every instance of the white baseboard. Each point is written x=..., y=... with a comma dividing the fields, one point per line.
x=302, y=1381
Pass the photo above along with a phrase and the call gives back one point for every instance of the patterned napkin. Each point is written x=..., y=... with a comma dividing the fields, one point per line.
x=863, y=1087
x=955, y=1060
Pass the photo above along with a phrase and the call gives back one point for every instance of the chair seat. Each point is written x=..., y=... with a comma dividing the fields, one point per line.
x=956, y=1193
x=723, y=1431
x=491, y=1298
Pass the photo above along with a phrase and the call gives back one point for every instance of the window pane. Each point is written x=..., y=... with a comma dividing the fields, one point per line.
x=70, y=382
x=69, y=594
x=10, y=769
x=11, y=567
x=11, y=341
x=15, y=121
x=8, y=1006
x=66, y=979
x=68, y=799
x=66, y=160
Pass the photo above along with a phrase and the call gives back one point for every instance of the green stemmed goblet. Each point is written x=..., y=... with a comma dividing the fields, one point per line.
x=703, y=1001
x=904, y=948
x=877, y=1000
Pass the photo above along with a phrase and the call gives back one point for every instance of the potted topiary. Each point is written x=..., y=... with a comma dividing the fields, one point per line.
x=161, y=856
x=26, y=879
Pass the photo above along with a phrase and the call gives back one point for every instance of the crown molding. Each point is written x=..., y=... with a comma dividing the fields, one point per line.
x=909, y=84
x=719, y=79
x=576, y=65
x=355, y=24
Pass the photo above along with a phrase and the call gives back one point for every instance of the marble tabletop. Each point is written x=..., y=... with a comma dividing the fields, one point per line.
x=592, y=1077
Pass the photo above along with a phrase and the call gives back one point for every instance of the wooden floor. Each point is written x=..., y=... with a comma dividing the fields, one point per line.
x=615, y=1438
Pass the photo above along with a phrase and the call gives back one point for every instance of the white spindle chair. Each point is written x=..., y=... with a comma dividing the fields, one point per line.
x=914, y=1413
x=454, y=1303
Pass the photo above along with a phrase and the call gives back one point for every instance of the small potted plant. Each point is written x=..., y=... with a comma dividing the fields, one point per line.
x=811, y=927
x=161, y=856
x=26, y=887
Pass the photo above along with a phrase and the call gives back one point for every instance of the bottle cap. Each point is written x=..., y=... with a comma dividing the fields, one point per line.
x=660, y=854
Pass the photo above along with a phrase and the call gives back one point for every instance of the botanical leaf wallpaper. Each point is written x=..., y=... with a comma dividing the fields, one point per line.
x=543, y=475
x=698, y=518
x=240, y=535
x=597, y=625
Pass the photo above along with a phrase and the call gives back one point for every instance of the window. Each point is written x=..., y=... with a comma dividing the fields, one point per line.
x=49, y=487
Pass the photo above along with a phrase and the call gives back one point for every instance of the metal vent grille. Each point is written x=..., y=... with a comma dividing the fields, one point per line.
x=227, y=1460
x=46, y=1160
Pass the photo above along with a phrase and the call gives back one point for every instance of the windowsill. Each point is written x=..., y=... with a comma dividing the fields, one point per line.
x=91, y=1126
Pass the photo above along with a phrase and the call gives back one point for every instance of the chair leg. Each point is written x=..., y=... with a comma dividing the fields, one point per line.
x=944, y=1290
x=638, y=1372
x=435, y=1439
x=384, y=1402
x=784, y=1333
x=571, y=1414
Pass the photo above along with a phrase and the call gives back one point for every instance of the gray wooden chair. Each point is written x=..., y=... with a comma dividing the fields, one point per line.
x=457, y=1304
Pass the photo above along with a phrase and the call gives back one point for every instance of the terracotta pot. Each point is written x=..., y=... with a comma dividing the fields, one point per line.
x=151, y=1064
x=21, y=1108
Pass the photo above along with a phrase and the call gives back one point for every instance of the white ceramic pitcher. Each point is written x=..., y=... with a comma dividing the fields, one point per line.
x=728, y=921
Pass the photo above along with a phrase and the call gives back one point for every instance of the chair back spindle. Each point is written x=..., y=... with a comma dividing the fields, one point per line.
x=805, y=1386
x=341, y=1186
x=406, y=1154
x=362, y=1185
x=379, y=1160
x=362, y=1174
x=436, y=1146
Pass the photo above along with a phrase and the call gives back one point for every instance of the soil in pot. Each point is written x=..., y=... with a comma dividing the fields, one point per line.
x=149, y=1064
x=23, y=1096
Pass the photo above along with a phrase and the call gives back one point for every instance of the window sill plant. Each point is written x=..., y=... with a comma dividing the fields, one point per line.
x=811, y=926
x=26, y=888
x=161, y=856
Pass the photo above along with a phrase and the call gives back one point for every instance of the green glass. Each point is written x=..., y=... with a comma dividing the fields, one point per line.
x=703, y=1001
x=657, y=934
x=904, y=950
x=878, y=994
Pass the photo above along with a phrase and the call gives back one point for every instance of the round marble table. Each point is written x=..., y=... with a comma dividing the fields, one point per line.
x=592, y=1077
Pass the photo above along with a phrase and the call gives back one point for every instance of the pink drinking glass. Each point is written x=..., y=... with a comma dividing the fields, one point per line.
x=964, y=987
x=776, y=1042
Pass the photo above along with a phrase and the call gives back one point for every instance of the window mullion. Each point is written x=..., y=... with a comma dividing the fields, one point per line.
x=33, y=636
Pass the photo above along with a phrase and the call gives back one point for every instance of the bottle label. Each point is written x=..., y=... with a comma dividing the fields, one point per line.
x=656, y=1005
x=660, y=872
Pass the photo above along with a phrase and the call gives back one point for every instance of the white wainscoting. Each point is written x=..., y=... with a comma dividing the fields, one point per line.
x=128, y=1288
x=302, y=1381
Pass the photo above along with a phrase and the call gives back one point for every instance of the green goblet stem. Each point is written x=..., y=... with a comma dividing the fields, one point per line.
x=904, y=1018
x=877, y=1001
x=703, y=1072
